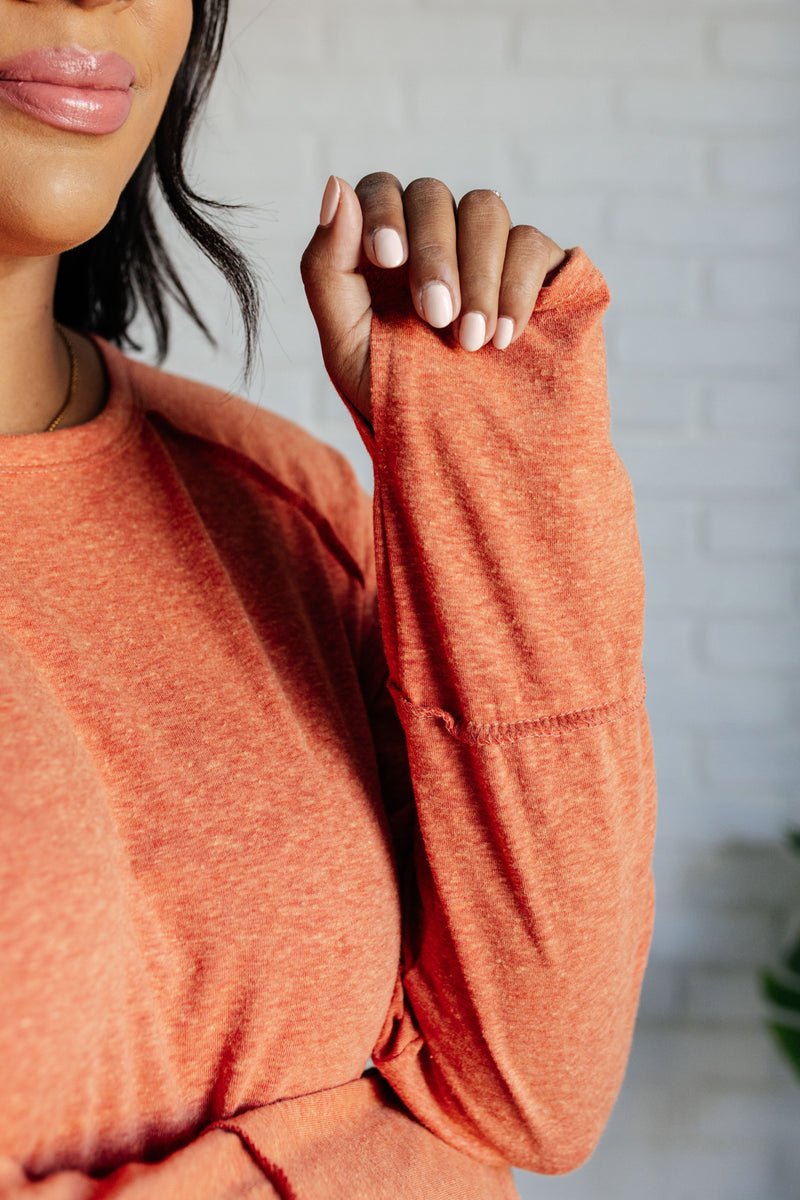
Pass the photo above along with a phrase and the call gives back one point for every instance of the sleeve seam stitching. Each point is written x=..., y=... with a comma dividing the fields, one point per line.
x=498, y=732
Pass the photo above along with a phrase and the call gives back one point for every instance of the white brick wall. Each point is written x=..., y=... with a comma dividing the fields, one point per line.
x=664, y=140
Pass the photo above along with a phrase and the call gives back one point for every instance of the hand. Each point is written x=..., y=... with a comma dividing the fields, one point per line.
x=468, y=266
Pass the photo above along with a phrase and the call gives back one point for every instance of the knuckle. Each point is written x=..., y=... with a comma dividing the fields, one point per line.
x=516, y=295
x=536, y=242
x=378, y=182
x=310, y=262
x=428, y=189
x=430, y=259
x=482, y=283
x=306, y=265
x=482, y=196
x=483, y=201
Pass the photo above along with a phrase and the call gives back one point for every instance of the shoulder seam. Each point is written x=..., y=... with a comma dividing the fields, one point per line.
x=282, y=491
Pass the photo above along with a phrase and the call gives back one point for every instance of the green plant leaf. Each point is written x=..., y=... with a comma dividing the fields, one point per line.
x=779, y=993
x=793, y=840
x=788, y=1041
x=791, y=958
x=781, y=987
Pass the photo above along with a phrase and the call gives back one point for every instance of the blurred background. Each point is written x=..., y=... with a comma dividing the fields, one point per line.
x=664, y=140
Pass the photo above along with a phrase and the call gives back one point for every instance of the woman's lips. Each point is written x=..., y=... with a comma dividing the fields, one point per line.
x=70, y=87
x=80, y=109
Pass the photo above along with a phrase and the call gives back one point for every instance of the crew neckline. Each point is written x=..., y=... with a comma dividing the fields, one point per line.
x=103, y=435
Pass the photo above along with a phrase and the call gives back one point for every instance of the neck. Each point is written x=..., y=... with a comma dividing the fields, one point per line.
x=34, y=362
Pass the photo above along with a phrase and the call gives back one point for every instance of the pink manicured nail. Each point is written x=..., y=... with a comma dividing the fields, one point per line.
x=503, y=334
x=437, y=305
x=330, y=201
x=388, y=248
x=472, y=334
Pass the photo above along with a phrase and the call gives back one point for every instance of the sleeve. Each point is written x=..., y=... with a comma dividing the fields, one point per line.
x=215, y=1166
x=511, y=730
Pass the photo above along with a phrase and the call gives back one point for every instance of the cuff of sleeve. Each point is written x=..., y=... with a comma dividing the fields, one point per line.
x=576, y=280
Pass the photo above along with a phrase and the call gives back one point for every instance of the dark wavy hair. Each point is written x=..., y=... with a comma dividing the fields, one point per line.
x=101, y=283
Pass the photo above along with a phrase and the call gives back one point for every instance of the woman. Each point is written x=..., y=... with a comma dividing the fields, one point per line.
x=287, y=783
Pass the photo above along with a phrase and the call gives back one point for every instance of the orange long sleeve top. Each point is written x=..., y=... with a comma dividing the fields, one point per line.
x=291, y=778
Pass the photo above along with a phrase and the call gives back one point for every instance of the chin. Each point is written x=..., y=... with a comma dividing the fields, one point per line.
x=55, y=219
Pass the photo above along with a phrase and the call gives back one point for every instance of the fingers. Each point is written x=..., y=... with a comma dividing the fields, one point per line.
x=433, y=251
x=468, y=266
x=417, y=225
x=483, y=233
x=385, y=241
x=529, y=257
x=338, y=295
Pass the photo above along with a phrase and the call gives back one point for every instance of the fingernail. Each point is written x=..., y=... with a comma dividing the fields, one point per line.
x=388, y=248
x=330, y=201
x=437, y=305
x=503, y=334
x=472, y=334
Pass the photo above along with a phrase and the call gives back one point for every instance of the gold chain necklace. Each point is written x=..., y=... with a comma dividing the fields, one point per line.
x=73, y=376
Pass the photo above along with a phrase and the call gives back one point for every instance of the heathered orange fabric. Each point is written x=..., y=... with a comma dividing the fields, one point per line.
x=220, y=895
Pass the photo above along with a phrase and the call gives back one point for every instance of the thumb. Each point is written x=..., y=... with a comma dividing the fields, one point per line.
x=338, y=295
